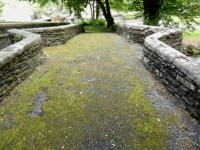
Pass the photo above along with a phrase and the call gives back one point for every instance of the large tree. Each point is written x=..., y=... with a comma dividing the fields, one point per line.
x=152, y=11
x=49, y=9
x=77, y=6
x=175, y=13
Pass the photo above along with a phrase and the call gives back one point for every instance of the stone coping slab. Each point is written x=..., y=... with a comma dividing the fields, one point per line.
x=10, y=52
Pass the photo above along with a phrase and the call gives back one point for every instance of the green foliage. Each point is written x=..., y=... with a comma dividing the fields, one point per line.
x=155, y=12
x=101, y=28
x=98, y=25
x=97, y=22
x=162, y=12
x=194, y=34
x=118, y=5
x=84, y=23
x=100, y=22
x=18, y=38
x=91, y=22
x=49, y=8
x=1, y=7
x=77, y=6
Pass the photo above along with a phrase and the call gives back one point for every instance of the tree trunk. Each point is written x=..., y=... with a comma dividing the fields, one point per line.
x=93, y=13
x=151, y=11
x=110, y=20
x=106, y=12
x=91, y=9
x=97, y=11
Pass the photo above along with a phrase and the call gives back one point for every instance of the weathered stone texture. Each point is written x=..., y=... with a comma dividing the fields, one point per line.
x=180, y=75
x=6, y=26
x=18, y=60
x=4, y=41
x=57, y=35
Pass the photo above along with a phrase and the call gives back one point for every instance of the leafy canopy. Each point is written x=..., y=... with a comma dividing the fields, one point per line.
x=173, y=13
x=1, y=7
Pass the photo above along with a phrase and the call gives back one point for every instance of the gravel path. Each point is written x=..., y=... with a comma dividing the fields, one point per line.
x=96, y=95
x=185, y=134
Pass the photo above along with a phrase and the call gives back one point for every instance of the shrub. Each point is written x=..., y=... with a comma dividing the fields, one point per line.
x=100, y=22
x=84, y=23
x=91, y=22
x=113, y=28
x=96, y=23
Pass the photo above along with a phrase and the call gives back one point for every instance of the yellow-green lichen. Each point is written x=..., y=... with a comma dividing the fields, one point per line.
x=94, y=98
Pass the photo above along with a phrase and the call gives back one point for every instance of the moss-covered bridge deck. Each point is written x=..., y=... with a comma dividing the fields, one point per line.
x=93, y=93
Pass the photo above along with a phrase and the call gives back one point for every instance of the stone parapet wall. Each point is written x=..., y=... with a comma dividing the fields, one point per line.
x=138, y=33
x=18, y=60
x=57, y=35
x=4, y=41
x=17, y=25
x=179, y=74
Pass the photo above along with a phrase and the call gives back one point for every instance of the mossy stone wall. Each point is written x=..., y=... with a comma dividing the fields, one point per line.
x=57, y=35
x=20, y=59
x=4, y=41
x=161, y=56
x=19, y=25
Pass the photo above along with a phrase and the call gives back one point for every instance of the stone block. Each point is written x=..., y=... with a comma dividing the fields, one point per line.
x=187, y=101
x=2, y=93
x=158, y=73
x=166, y=70
x=2, y=87
x=188, y=84
x=158, y=29
x=169, y=89
x=189, y=68
x=172, y=66
x=174, y=89
x=184, y=88
x=180, y=73
x=197, y=109
x=151, y=68
x=152, y=43
x=16, y=72
x=165, y=82
x=169, y=78
x=146, y=60
x=182, y=103
x=197, y=79
x=175, y=83
x=193, y=111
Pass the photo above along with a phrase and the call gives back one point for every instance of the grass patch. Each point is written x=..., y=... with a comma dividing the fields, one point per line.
x=191, y=35
x=101, y=28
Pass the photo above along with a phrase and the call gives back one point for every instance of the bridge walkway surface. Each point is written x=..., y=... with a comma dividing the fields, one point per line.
x=94, y=93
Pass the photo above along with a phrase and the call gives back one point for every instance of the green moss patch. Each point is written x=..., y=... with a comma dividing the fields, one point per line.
x=93, y=100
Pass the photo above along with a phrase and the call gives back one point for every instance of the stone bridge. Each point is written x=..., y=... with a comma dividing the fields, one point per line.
x=95, y=93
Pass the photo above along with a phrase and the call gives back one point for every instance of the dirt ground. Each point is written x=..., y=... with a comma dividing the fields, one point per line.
x=190, y=41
